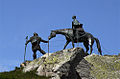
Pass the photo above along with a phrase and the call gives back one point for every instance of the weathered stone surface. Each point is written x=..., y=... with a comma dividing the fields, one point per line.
x=76, y=64
x=76, y=68
x=61, y=64
x=104, y=67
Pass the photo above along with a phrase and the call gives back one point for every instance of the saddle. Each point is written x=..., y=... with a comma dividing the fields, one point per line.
x=79, y=33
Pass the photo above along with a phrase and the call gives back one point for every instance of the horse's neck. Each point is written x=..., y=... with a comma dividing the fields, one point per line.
x=63, y=32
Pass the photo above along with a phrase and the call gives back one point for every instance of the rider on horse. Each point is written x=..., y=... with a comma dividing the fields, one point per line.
x=77, y=28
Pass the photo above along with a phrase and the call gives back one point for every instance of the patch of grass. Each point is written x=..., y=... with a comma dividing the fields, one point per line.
x=18, y=74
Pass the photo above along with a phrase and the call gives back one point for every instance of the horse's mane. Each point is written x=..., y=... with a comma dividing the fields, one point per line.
x=62, y=29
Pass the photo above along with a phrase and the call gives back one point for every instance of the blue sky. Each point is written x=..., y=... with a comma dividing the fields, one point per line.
x=20, y=18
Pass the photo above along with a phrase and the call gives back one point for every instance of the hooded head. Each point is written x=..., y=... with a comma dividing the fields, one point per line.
x=35, y=34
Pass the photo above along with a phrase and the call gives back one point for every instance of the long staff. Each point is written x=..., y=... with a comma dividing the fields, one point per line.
x=48, y=46
x=25, y=48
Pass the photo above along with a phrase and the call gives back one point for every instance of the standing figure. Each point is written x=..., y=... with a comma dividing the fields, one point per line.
x=77, y=28
x=35, y=41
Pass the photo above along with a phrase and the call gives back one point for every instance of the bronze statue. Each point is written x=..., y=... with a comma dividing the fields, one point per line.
x=35, y=41
x=77, y=28
x=87, y=39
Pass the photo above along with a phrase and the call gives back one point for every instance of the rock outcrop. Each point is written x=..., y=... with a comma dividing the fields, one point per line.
x=75, y=64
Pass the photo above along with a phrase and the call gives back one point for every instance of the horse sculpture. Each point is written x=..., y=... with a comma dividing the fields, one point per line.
x=87, y=39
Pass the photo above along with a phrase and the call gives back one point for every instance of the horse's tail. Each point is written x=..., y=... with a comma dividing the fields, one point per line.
x=98, y=46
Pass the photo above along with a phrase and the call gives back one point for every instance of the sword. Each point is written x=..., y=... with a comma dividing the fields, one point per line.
x=25, y=48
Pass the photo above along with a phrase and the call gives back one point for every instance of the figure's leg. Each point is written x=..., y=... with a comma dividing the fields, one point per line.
x=34, y=51
x=67, y=42
x=74, y=31
x=77, y=35
x=42, y=51
x=86, y=46
x=34, y=54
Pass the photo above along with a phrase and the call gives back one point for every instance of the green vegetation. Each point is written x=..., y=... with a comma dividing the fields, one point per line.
x=18, y=74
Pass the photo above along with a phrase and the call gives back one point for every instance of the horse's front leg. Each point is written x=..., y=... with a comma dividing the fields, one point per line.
x=73, y=44
x=86, y=46
x=67, y=42
x=71, y=39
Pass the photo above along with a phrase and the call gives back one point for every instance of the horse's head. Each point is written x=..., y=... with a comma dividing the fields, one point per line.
x=52, y=34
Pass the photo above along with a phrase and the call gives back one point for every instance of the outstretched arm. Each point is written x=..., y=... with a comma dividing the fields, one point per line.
x=44, y=41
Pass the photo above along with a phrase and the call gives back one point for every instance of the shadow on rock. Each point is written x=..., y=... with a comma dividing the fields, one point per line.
x=76, y=68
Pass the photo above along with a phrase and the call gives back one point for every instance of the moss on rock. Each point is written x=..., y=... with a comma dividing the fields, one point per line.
x=104, y=67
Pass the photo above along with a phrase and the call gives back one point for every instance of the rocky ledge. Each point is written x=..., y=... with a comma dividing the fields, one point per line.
x=75, y=64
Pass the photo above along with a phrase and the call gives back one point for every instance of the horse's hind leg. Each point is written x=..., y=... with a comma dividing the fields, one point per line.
x=91, y=49
x=86, y=46
x=91, y=41
x=73, y=44
x=67, y=42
